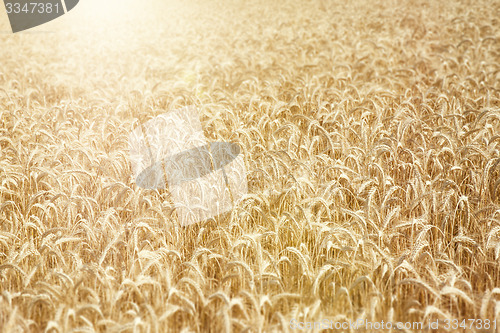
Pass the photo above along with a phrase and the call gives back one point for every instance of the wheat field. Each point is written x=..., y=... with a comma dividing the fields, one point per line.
x=371, y=136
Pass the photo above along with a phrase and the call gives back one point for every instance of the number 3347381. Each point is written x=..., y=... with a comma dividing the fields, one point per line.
x=32, y=8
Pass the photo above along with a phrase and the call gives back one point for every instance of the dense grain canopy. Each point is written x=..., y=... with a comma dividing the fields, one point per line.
x=371, y=132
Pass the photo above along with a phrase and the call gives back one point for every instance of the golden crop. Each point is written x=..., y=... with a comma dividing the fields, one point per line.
x=371, y=133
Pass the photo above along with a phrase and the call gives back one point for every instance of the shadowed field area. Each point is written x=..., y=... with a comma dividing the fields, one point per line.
x=371, y=134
